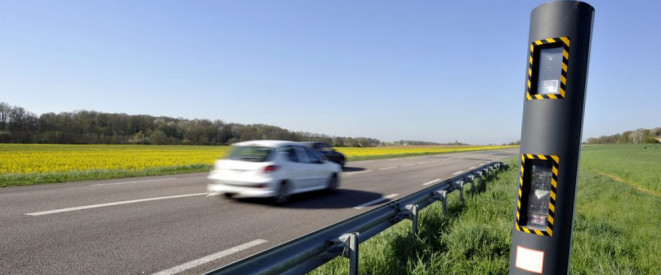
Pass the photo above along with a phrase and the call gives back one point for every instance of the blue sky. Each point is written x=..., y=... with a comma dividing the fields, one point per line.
x=419, y=70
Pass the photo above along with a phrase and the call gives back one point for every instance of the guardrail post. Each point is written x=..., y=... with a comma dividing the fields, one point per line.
x=460, y=183
x=412, y=214
x=470, y=178
x=350, y=241
x=442, y=195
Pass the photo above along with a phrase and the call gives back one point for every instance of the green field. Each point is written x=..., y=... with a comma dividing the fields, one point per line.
x=616, y=227
x=636, y=165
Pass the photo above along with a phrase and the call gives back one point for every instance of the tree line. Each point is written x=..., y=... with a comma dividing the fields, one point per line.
x=417, y=142
x=636, y=136
x=18, y=125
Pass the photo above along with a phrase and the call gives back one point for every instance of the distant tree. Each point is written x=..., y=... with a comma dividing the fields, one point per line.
x=5, y=109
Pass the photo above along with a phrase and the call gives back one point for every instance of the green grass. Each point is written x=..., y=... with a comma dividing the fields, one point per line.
x=617, y=224
x=616, y=227
x=634, y=164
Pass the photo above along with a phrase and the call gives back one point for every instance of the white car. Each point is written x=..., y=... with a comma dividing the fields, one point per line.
x=272, y=168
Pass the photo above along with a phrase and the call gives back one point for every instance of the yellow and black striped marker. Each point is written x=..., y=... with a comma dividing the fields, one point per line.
x=554, y=191
x=544, y=43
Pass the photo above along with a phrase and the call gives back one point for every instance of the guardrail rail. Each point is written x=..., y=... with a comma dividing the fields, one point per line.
x=308, y=252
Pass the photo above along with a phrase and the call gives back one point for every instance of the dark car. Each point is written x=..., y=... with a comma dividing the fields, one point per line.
x=328, y=152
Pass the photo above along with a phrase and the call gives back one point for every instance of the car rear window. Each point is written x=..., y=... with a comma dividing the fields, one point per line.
x=251, y=153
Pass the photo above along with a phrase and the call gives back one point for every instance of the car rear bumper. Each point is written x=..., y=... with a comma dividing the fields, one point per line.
x=252, y=189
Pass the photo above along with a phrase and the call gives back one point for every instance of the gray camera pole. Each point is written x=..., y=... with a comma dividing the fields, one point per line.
x=556, y=74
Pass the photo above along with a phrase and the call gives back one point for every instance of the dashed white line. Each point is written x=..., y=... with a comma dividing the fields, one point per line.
x=210, y=258
x=421, y=163
x=430, y=182
x=376, y=201
x=109, y=204
x=386, y=168
x=456, y=173
x=353, y=173
x=135, y=181
x=407, y=165
x=472, y=167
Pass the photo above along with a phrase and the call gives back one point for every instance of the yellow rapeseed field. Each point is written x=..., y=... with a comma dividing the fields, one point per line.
x=404, y=150
x=47, y=158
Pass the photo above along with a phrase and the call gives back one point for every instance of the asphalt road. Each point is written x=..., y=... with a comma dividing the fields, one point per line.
x=170, y=224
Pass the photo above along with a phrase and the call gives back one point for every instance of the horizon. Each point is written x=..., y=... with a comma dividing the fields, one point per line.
x=457, y=142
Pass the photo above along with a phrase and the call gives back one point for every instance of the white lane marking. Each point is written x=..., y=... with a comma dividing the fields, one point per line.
x=472, y=167
x=430, y=182
x=210, y=258
x=109, y=204
x=375, y=201
x=353, y=173
x=386, y=168
x=436, y=161
x=421, y=163
x=135, y=181
x=456, y=173
x=407, y=165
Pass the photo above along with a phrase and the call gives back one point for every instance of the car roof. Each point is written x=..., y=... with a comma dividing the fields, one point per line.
x=314, y=142
x=266, y=143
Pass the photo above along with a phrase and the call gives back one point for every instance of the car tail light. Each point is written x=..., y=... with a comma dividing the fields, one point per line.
x=270, y=168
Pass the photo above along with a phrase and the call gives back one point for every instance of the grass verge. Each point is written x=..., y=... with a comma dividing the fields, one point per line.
x=615, y=232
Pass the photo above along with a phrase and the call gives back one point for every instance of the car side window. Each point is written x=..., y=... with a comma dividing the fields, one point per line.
x=291, y=154
x=312, y=156
x=302, y=156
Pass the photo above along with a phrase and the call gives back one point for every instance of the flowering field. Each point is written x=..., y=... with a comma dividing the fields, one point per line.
x=42, y=158
x=376, y=152
x=24, y=164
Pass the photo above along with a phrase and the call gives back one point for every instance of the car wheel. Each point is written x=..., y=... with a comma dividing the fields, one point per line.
x=228, y=195
x=333, y=183
x=342, y=162
x=282, y=196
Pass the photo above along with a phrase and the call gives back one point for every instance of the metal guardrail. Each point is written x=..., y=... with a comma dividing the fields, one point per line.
x=306, y=253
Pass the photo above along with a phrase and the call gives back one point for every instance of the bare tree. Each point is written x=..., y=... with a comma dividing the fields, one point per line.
x=4, y=115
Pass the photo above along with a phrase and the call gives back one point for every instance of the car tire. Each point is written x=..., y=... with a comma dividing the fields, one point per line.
x=333, y=183
x=342, y=162
x=228, y=195
x=283, y=194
